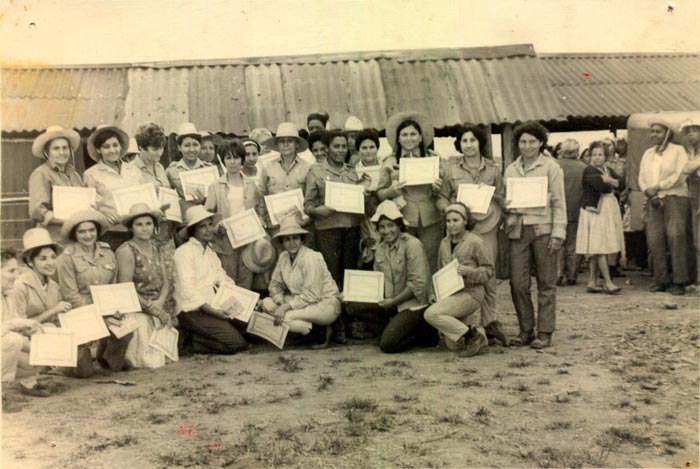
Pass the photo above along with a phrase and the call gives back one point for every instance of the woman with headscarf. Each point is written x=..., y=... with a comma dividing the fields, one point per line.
x=250, y=165
x=57, y=147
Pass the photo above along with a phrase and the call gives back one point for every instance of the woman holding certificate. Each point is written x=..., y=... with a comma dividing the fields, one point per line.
x=410, y=134
x=367, y=144
x=141, y=260
x=232, y=194
x=56, y=146
x=189, y=145
x=473, y=168
x=474, y=265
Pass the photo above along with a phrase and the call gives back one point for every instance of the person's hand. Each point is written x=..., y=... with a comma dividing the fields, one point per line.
x=118, y=315
x=463, y=270
x=220, y=230
x=651, y=191
x=323, y=211
x=112, y=218
x=554, y=244
x=61, y=307
x=198, y=196
x=340, y=297
x=511, y=220
x=24, y=326
x=48, y=217
x=397, y=188
x=437, y=185
x=371, y=242
x=280, y=313
x=164, y=207
x=386, y=303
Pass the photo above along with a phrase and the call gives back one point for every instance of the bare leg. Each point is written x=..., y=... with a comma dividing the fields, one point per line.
x=593, y=272
x=603, y=265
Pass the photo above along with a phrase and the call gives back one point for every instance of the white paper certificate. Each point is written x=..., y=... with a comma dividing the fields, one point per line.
x=165, y=340
x=347, y=198
x=170, y=196
x=284, y=204
x=86, y=322
x=55, y=347
x=418, y=171
x=67, y=200
x=447, y=281
x=200, y=179
x=243, y=228
x=120, y=297
x=140, y=194
x=263, y=325
x=373, y=172
x=363, y=286
x=127, y=325
x=530, y=192
x=238, y=302
x=476, y=196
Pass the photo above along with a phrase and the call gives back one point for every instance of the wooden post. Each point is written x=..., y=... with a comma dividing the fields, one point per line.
x=507, y=145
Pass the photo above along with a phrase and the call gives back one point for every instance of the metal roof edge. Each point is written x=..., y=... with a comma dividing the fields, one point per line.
x=613, y=55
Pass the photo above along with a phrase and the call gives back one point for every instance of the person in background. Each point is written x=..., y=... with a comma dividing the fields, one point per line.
x=209, y=150
x=475, y=266
x=662, y=179
x=317, y=121
x=568, y=261
x=106, y=145
x=318, y=146
x=586, y=156
x=367, y=144
x=203, y=328
x=691, y=130
x=57, y=147
x=618, y=167
x=410, y=134
x=352, y=129
x=250, y=165
x=261, y=135
x=398, y=319
x=131, y=152
x=472, y=167
x=189, y=144
x=600, y=223
x=535, y=236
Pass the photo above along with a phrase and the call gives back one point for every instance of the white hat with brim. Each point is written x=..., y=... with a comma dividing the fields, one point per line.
x=353, y=124
x=290, y=226
x=52, y=133
x=121, y=136
x=390, y=210
x=37, y=238
x=692, y=122
x=259, y=256
x=188, y=130
x=82, y=216
x=660, y=121
x=287, y=129
x=133, y=147
x=427, y=130
x=194, y=215
x=140, y=210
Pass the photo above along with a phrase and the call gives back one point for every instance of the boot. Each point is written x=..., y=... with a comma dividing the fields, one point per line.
x=495, y=330
x=543, y=340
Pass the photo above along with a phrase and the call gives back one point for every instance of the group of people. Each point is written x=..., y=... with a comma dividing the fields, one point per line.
x=407, y=232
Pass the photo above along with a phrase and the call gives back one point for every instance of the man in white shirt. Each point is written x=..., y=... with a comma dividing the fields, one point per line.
x=199, y=273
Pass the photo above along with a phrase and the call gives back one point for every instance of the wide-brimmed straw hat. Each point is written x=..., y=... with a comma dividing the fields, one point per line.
x=660, y=121
x=259, y=256
x=692, y=122
x=194, y=215
x=287, y=129
x=37, y=238
x=290, y=226
x=140, y=210
x=121, y=136
x=53, y=132
x=394, y=121
x=390, y=210
x=188, y=130
x=353, y=124
x=82, y=216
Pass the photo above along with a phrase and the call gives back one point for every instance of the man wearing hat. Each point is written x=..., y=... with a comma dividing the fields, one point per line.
x=199, y=274
x=691, y=130
x=352, y=129
x=57, y=147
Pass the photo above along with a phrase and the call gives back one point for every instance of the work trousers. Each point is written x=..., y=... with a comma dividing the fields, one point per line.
x=340, y=248
x=235, y=268
x=666, y=234
x=430, y=236
x=452, y=314
x=523, y=251
x=568, y=262
x=488, y=306
x=323, y=313
x=11, y=349
x=210, y=334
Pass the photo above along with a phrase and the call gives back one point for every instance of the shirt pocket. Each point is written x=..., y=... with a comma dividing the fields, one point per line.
x=81, y=265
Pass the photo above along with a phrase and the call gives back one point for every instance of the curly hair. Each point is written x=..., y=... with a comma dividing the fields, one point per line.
x=150, y=135
x=533, y=128
x=367, y=134
x=477, y=131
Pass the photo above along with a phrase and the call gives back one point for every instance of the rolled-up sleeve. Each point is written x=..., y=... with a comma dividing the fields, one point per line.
x=416, y=269
x=312, y=197
x=39, y=195
x=190, y=296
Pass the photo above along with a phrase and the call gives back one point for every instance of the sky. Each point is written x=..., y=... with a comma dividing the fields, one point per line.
x=134, y=31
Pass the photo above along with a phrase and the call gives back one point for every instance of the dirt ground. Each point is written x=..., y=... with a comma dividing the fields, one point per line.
x=619, y=388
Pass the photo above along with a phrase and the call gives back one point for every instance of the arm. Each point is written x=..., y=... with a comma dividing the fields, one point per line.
x=65, y=268
x=417, y=275
x=39, y=196
x=187, y=279
x=644, y=181
x=386, y=189
x=558, y=202
x=679, y=161
x=447, y=191
x=594, y=178
x=277, y=288
x=174, y=178
x=483, y=271
x=127, y=266
x=312, y=270
x=499, y=194
x=690, y=167
x=210, y=203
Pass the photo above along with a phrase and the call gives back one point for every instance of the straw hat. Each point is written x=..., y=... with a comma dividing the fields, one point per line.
x=194, y=215
x=188, y=130
x=121, y=136
x=259, y=256
x=388, y=209
x=394, y=121
x=139, y=210
x=260, y=135
x=287, y=129
x=290, y=226
x=35, y=238
x=660, y=121
x=51, y=133
x=82, y=216
x=353, y=124
x=692, y=122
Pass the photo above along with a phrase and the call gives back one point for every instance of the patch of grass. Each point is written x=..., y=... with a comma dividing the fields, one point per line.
x=562, y=372
x=325, y=382
x=157, y=419
x=562, y=398
x=296, y=393
x=398, y=363
x=544, y=381
x=628, y=435
x=673, y=442
x=335, y=443
x=554, y=457
x=636, y=362
x=624, y=404
x=358, y=403
x=471, y=383
x=289, y=363
x=641, y=419
x=405, y=398
x=482, y=414
x=520, y=362
x=338, y=361
x=452, y=419
x=522, y=387
x=216, y=406
x=468, y=370
x=648, y=400
x=500, y=403
x=561, y=425
x=575, y=336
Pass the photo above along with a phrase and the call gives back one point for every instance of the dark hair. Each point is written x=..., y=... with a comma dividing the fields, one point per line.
x=250, y=141
x=30, y=255
x=318, y=116
x=331, y=135
x=7, y=254
x=180, y=138
x=398, y=221
x=367, y=134
x=597, y=144
x=105, y=135
x=150, y=135
x=533, y=128
x=130, y=223
x=71, y=233
x=234, y=148
x=584, y=153
x=191, y=230
x=316, y=137
x=397, y=145
x=477, y=131
x=471, y=221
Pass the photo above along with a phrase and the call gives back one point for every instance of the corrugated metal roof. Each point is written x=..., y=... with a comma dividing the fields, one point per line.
x=612, y=85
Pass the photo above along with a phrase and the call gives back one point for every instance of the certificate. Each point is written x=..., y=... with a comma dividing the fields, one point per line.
x=169, y=196
x=140, y=194
x=476, y=196
x=418, y=171
x=67, y=200
x=530, y=192
x=120, y=297
x=284, y=204
x=373, y=172
x=447, y=281
x=243, y=228
x=238, y=302
x=263, y=325
x=55, y=347
x=363, y=286
x=86, y=322
x=200, y=179
x=346, y=198
x=127, y=325
x=165, y=340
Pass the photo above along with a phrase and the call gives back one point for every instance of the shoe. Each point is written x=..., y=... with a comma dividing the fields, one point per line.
x=676, y=290
x=339, y=332
x=38, y=390
x=8, y=406
x=594, y=290
x=325, y=340
x=471, y=343
x=523, y=339
x=612, y=291
x=571, y=281
x=615, y=272
x=657, y=288
x=560, y=282
x=543, y=340
x=495, y=330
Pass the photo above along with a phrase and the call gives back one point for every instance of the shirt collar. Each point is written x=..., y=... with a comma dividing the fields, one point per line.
x=539, y=161
x=413, y=154
x=195, y=242
x=197, y=164
x=66, y=168
x=464, y=165
x=333, y=170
